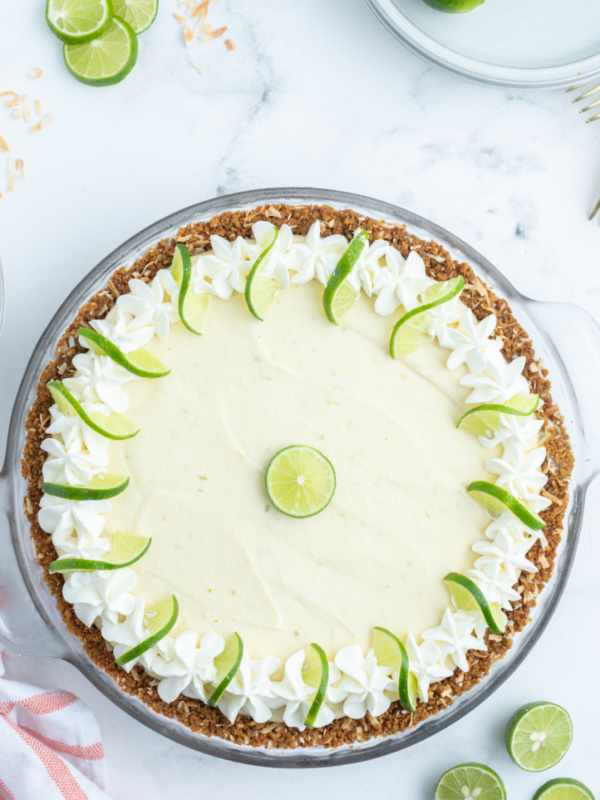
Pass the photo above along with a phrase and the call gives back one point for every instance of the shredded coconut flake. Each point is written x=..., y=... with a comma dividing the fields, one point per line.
x=229, y=45
x=188, y=33
x=3, y=146
x=42, y=124
x=212, y=34
x=36, y=73
x=38, y=108
x=16, y=169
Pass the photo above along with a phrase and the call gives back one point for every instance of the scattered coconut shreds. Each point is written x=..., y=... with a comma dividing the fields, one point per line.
x=206, y=37
x=3, y=146
x=195, y=64
x=16, y=101
x=188, y=33
x=16, y=169
x=42, y=124
x=5, y=94
x=18, y=112
x=36, y=73
x=229, y=45
x=201, y=10
x=27, y=113
x=38, y=108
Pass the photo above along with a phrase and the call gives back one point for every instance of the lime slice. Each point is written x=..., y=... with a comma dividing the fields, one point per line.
x=125, y=549
x=390, y=652
x=454, y=6
x=111, y=426
x=538, y=735
x=159, y=619
x=563, y=789
x=470, y=782
x=495, y=500
x=78, y=21
x=300, y=481
x=227, y=664
x=339, y=295
x=140, y=362
x=485, y=420
x=192, y=307
x=105, y=60
x=468, y=597
x=101, y=487
x=139, y=14
x=260, y=291
x=315, y=672
x=411, y=330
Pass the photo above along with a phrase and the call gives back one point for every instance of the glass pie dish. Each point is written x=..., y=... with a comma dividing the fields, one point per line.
x=562, y=335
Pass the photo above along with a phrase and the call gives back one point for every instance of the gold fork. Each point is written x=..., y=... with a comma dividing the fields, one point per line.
x=583, y=96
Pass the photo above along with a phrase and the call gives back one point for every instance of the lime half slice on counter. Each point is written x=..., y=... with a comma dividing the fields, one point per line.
x=495, y=500
x=468, y=597
x=105, y=60
x=101, y=487
x=160, y=619
x=470, y=782
x=340, y=296
x=111, y=426
x=260, y=291
x=78, y=21
x=538, y=735
x=139, y=14
x=300, y=481
x=125, y=549
x=227, y=664
x=315, y=673
x=140, y=362
x=192, y=307
x=390, y=652
x=484, y=420
x=563, y=789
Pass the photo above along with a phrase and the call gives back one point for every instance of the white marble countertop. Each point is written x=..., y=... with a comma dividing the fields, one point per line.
x=316, y=94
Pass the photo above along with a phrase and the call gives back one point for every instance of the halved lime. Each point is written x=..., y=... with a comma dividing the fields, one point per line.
x=470, y=782
x=339, y=295
x=192, y=307
x=538, y=735
x=484, y=420
x=140, y=14
x=300, y=481
x=111, y=426
x=495, y=500
x=468, y=597
x=159, y=620
x=227, y=664
x=411, y=330
x=140, y=362
x=315, y=672
x=125, y=549
x=563, y=789
x=105, y=60
x=78, y=21
x=390, y=652
x=261, y=291
x=101, y=487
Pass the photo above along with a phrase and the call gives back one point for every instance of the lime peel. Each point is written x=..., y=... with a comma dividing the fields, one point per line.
x=111, y=426
x=227, y=664
x=101, y=487
x=484, y=420
x=125, y=549
x=339, y=295
x=468, y=596
x=390, y=652
x=192, y=307
x=260, y=291
x=495, y=500
x=315, y=673
x=140, y=362
x=163, y=619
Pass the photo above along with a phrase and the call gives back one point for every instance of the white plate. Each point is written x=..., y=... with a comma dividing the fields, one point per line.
x=508, y=42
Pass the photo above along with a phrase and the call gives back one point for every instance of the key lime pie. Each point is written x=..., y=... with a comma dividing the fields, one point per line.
x=296, y=477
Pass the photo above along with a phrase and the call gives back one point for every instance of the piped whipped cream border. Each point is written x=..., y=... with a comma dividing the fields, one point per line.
x=183, y=664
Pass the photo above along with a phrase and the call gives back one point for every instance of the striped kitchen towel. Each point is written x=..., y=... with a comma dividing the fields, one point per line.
x=50, y=746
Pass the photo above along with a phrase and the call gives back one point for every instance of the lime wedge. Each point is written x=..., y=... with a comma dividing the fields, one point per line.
x=339, y=295
x=111, y=426
x=300, y=481
x=390, y=652
x=139, y=14
x=260, y=291
x=140, y=362
x=159, y=619
x=105, y=60
x=227, y=664
x=101, y=487
x=485, y=420
x=563, y=789
x=315, y=673
x=495, y=500
x=538, y=735
x=192, y=307
x=468, y=597
x=470, y=782
x=78, y=21
x=125, y=549
x=411, y=330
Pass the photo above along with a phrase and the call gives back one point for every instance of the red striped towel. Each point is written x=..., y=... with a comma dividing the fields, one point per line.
x=50, y=746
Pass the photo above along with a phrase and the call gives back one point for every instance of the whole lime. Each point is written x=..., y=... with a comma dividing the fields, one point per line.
x=454, y=6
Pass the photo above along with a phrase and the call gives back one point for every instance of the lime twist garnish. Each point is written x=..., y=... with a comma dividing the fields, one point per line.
x=101, y=487
x=340, y=296
x=467, y=596
x=78, y=21
x=300, y=481
x=140, y=14
x=160, y=619
x=227, y=663
x=261, y=291
x=410, y=332
x=470, y=782
x=105, y=60
x=563, y=789
x=125, y=549
x=140, y=362
x=495, y=500
x=111, y=426
x=538, y=735
x=484, y=420
x=192, y=307
x=390, y=652
x=315, y=673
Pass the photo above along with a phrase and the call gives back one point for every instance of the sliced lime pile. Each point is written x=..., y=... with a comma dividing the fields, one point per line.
x=227, y=664
x=484, y=420
x=390, y=652
x=261, y=291
x=300, y=481
x=101, y=487
x=139, y=14
x=140, y=362
x=495, y=500
x=125, y=549
x=538, y=735
x=470, y=782
x=410, y=332
x=111, y=426
x=105, y=60
x=192, y=307
x=78, y=21
x=315, y=673
x=159, y=620
x=468, y=597
x=340, y=296
x=563, y=789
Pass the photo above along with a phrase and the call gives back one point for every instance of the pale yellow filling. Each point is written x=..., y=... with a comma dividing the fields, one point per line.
x=400, y=518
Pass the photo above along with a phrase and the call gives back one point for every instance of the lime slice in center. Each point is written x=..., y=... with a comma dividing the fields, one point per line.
x=538, y=735
x=339, y=295
x=300, y=481
x=495, y=500
x=315, y=673
x=468, y=597
x=192, y=307
x=227, y=664
x=78, y=21
x=105, y=60
x=125, y=549
x=159, y=619
x=470, y=782
x=390, y=652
